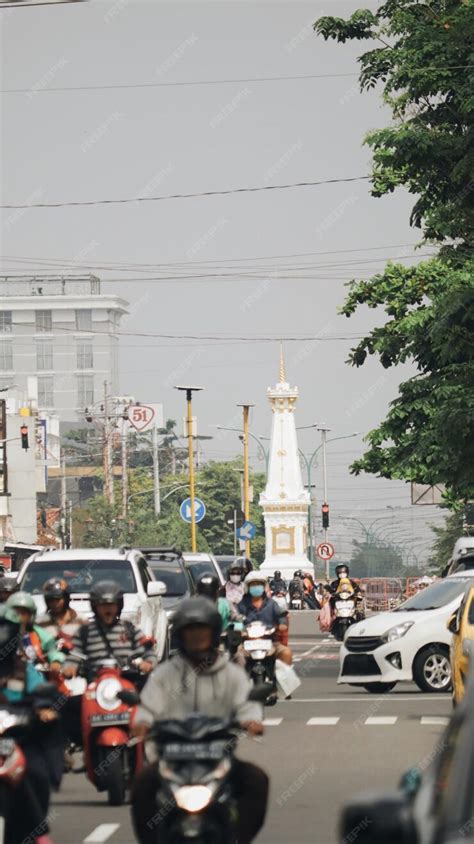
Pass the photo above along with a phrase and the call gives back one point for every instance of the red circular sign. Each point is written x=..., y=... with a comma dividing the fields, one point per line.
x=325, y=551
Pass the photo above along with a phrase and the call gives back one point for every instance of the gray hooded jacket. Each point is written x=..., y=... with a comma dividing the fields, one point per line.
x=176, y=689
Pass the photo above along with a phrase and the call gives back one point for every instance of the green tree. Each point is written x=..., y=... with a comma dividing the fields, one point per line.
x=443, y=545
x=376, y=559
x=423, y=58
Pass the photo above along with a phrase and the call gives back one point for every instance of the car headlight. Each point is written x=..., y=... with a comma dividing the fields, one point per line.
x=397, y=632
x=106, y=694
x=193, y=798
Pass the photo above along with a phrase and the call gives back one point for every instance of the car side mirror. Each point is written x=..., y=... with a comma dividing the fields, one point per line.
x=453, y=623
x=373, y=819
x=156, y=588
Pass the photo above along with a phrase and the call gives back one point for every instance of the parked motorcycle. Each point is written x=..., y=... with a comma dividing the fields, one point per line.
x=111, y=757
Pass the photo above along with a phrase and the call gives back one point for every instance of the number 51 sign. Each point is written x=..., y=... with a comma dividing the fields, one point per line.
x=145, y=417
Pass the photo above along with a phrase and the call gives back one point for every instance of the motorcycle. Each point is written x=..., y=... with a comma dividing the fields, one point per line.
x=16, y=723
x=195, y=801
x=111, y=758
x=346, y=612
x=260, y=658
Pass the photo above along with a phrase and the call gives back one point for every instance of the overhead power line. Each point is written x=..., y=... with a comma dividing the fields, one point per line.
x=119, y=86
x=228, y=191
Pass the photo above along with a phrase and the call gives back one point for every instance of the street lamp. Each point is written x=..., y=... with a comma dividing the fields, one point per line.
x=246, y=412
x=189, y=419
x=258, y=439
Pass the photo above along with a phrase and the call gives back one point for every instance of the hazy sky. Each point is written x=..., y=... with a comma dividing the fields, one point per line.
x=131, y=142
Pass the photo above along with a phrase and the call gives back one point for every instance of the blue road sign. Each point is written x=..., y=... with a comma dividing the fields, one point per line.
x=247, y=531
x=199, y=510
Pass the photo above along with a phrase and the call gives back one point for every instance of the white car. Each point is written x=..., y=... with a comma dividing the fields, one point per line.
x=408, y=643
x=199, y=563
x=84, y=567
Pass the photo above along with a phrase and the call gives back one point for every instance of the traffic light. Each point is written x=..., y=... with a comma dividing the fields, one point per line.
x=325, y=513
x=24, y=437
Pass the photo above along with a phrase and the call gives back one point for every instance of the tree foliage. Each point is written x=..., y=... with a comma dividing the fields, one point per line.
x=423, y=56
x=443, y=545
x=377, y=559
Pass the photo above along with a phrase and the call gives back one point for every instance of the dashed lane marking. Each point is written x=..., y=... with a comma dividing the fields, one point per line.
x=434, y=721
x=307, y=653
x=381, y=720
x=392, y=699
x=102, y=833
x=322, y=722
x=272, y=722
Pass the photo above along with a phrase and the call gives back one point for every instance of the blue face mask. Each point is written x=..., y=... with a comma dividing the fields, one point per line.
x=256, y=591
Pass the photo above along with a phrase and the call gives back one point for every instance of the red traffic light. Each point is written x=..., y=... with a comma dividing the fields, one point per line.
x=24, y=437
x=325, y=513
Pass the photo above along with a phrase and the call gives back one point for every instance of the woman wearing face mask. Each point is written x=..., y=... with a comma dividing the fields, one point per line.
x=234, y=588
x=257, y=605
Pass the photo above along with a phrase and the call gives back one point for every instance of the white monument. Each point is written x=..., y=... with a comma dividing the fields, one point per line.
x=285, y=501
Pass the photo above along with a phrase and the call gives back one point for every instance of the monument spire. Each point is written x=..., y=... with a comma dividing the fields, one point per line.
x=282, y=365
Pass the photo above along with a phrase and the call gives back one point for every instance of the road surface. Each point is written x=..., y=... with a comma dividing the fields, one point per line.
x=321, y=747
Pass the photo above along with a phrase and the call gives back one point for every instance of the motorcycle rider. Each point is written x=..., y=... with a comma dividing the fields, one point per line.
x=234, y=588
x=343, y=583
x=309, y=591
x=296, y=587
x=60, y=619
x=8, y=585
x=107, y=636
x=29, y=800
x=208, y=586
x=278, y=583
x=201, y=678
x=39, y=646
x=256, y=605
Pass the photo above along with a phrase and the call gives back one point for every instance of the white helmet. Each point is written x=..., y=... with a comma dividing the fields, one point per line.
x=255, y=577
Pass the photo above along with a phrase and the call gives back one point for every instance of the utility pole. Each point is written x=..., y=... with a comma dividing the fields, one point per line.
x=324, y=432
x=246, y=495
x=107, y=446
x=189, y=432
x=124, y=467
x=156, y=473
x=63, y=503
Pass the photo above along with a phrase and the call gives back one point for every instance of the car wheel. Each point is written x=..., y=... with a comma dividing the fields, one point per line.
x=379, y=688
x=432, y=670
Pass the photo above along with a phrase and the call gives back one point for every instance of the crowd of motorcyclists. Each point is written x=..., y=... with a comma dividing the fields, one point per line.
x=227, y=641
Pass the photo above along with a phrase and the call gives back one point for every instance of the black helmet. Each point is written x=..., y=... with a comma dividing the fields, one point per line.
x=197, y=610
x=277, y=574
x=8, y=585
x=342, y=567
x=9, y=639
x=106, y=592
x=56, y=587
x=208, y=585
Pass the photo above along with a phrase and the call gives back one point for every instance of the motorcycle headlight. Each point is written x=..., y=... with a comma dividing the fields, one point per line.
x=106, y=694
x=397, y=632
x=193, y=798
x=344, y=596
x=256, y=631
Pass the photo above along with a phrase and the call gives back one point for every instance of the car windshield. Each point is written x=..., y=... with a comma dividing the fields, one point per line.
x=174, y=578
x=436, y=596
x=197, y=568
x=80, y=574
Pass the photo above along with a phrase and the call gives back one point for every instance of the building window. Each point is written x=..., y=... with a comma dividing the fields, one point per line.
x=44, y=321
x=5, y=322
x=44, y=356
x=46, y=392
x=85, y=390
x=6, y=356
x=84, y=319
x=85, y=356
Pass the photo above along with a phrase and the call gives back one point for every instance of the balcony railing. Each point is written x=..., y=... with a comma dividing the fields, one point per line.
x=49, y=285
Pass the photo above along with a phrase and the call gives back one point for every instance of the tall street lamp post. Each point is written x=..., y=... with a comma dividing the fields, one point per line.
x=189, y=424
x=246, y=412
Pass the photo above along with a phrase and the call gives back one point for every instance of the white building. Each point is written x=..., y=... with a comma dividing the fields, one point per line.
x=64, y=331
x=285, y=501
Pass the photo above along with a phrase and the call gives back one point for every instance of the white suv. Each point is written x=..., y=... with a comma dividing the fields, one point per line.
x=406, y=644
x=83, y=567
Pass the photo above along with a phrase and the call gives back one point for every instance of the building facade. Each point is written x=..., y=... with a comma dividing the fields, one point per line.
x=59, y=341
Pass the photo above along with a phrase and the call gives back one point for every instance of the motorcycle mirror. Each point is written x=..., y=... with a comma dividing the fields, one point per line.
x=258, y=694
x=129, y=697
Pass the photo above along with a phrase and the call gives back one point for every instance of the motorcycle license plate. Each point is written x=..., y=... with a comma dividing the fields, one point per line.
x=107, y=718
x=191, y=751
x=258, y=645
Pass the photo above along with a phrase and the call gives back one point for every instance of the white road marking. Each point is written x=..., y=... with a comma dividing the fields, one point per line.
x=102, y=833
x=381, y=721
x=362, y=698
x=272, y=722
x=434, y=720
x=322, y=722
x=307, y=653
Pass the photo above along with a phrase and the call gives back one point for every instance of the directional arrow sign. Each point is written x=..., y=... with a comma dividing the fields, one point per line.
x=247, y=531
x=186, y=512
